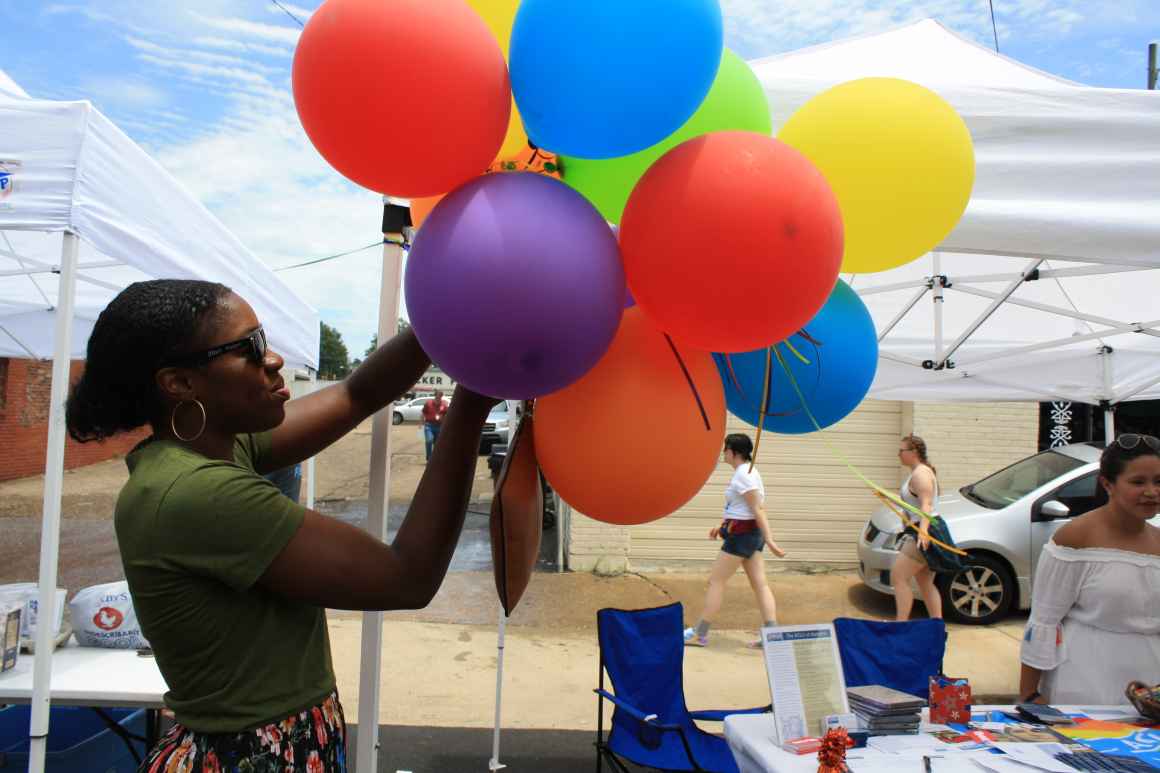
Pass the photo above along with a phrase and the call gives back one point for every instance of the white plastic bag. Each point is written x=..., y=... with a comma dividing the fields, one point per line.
x=103, y=616
x=27, y=594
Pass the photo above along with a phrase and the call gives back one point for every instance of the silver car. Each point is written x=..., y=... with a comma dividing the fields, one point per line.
x=1002, y=521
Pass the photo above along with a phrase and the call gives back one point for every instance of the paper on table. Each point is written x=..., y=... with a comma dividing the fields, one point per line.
x=917, y=744
x=1038, y=755
x=806, y=683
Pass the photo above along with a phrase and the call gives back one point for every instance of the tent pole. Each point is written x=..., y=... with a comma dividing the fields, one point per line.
x=50, y=527
x=999, y=300
x=310, y=466
x=494, y=763
x=938, y=282
x=1109, y=414
x=367, y=751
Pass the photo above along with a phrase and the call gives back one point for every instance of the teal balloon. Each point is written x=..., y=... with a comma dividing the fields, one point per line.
x=605, y=78
x=735, y=102
x=840, y=346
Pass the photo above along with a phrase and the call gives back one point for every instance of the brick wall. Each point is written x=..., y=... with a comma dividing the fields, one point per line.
x=24, y=404
x=967, y=441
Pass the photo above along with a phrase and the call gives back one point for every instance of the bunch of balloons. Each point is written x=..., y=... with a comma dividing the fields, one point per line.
x=608, y=226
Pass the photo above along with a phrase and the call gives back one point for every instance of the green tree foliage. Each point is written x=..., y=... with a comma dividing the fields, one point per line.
x=333, y=358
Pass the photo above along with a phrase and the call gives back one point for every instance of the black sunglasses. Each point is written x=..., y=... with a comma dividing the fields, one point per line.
x=1130, y=440
x=255, y=342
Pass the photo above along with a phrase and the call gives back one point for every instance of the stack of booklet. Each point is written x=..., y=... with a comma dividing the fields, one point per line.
x=885, y=711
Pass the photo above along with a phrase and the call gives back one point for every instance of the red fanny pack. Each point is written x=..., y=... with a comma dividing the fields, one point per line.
x=739, y=526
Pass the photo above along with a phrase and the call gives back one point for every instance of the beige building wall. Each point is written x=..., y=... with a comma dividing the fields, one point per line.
x=816, y=504
x=967, y=441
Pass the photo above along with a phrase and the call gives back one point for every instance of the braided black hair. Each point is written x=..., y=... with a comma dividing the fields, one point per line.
x=144, y=324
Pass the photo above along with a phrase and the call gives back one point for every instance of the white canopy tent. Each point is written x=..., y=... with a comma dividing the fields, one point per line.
x=1046, y=289
x=84, y=211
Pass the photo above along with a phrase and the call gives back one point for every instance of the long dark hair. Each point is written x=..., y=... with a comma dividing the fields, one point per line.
x=144, y=324
x=919, y=446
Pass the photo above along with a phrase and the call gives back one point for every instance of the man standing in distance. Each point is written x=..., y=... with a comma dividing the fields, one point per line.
x=433, y=412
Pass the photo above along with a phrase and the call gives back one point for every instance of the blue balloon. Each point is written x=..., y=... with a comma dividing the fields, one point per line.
x=606, y=78
x=841, y=346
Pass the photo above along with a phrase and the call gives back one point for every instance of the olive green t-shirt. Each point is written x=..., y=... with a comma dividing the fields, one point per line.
x=195, y=535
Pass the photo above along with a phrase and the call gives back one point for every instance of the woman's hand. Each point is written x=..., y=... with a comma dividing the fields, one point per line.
x=714, y=532
x=774, y=548
x=923, y=540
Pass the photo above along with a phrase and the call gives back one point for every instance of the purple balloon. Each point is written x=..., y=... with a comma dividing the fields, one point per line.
x=515, y=285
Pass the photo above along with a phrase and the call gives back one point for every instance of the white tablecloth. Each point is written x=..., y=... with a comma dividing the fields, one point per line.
x=750, y=738
x=88, y=676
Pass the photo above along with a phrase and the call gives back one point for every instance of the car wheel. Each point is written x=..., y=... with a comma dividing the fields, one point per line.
x=396, y=418
x=980, y=593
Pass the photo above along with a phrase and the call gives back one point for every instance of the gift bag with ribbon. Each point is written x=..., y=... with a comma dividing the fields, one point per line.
x=950, y=700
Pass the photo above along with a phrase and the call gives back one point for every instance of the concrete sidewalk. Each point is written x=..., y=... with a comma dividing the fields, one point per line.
x=439, y=663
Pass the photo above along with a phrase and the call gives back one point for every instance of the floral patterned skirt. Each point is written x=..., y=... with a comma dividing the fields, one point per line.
x=311, y=741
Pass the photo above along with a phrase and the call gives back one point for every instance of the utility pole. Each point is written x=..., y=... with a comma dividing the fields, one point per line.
x=1152, y=73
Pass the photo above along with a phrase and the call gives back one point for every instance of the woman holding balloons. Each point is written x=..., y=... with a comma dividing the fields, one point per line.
x=745, y=532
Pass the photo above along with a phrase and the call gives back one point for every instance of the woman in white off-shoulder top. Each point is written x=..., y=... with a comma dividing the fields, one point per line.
x=1095, y=612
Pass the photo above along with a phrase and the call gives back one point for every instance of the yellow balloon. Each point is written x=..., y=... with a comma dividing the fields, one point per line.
x=898, y=157
x=500, y=15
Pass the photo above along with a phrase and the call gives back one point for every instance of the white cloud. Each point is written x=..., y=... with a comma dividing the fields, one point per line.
x=257, y=171
x=302, y=13
x=269, y=32
x=241, y=46
x=123, y=92
x=208, y=57
x=759, y=28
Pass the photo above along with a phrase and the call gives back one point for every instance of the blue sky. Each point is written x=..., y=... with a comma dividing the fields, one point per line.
x=204, y=85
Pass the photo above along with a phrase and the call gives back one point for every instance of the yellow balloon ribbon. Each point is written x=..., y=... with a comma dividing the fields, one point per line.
x=887, y=496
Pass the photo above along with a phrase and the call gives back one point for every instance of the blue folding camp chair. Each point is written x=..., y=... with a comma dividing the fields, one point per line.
x=899, y=655
x=643, y=652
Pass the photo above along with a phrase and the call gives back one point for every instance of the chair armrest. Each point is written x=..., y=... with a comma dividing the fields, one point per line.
x=633, y=711
x=718, y=715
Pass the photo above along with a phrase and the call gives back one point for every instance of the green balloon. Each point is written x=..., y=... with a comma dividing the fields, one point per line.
x=735, y=102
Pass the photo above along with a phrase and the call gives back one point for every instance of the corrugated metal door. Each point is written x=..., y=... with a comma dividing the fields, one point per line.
x=816, y=504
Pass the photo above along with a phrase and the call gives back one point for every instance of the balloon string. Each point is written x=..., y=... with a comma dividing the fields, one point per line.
x=765, y=390
x=882, y=493
x=906, y=523
x=795, y=352
x=689, y=378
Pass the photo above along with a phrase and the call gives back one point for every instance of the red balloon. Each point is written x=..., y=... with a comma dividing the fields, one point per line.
x=405, y=97
x=731, y=241
x=631, y=441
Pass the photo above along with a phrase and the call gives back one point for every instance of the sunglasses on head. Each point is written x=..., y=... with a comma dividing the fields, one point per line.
x=1130, y=440
x=254, y=343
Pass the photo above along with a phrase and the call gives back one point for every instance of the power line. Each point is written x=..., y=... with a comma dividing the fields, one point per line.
x=286, y=11
x=994, y=28
x=332, y=257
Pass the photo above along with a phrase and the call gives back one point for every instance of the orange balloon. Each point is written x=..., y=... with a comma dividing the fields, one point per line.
x=422, y=207
x=527, y=160
x=628, y=442
x=405, y=97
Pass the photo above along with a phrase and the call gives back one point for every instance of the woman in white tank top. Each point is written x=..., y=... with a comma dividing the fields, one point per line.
x=919, y=490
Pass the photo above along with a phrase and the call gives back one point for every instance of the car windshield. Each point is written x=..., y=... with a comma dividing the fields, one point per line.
x=1020, y=479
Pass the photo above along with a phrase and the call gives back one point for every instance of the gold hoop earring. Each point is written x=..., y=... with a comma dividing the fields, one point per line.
x=173, y=421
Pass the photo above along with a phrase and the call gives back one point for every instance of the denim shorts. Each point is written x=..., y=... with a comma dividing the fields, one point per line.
x=744, y=545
